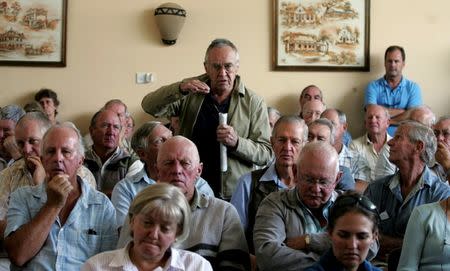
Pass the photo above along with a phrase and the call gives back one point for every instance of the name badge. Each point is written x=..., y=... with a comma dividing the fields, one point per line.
x=384, y=215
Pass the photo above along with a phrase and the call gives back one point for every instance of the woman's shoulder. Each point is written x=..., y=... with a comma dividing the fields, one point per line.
x=187, y=260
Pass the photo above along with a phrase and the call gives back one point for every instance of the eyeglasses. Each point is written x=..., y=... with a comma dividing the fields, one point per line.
x=355, y=200
x=322, y=183
x=227, y=66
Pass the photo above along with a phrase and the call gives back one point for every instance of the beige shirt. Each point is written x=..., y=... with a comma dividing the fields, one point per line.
x=365, y=148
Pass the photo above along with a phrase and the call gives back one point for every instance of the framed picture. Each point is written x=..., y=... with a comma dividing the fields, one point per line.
x=33, y=33
x=321, y=35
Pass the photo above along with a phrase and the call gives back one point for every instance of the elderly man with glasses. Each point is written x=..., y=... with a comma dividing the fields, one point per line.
x=198, y=101
x=289, y=232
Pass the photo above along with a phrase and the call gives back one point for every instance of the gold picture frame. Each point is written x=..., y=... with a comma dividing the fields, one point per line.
x=321, y=35
x=33, y=33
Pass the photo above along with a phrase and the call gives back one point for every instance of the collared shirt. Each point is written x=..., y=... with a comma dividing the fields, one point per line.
x=111, y=172
x=126, y=189
x=89, y=229
x=280, y=216
x=365, y=148
x=355, y=162
x=17, y=175
x=394, y=210
x=119, y=260
x=216, y=233
x=405, y=96
x=241, y=196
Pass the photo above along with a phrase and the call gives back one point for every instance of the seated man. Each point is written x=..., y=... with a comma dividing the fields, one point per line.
x=370, y=145
x=9, y=115
x=60, y=223
x=442, y=132
x=309, y=93
x=288, y=137
x=274, y=115
x=312, y=110
x=146, y=142
x=216, y=232
x=395, y=196
x=109, y=162
x=289, y=228
x=323, y=130
x=354, y=161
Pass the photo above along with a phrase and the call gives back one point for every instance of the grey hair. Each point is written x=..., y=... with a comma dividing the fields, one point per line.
x=341, y=115
x=419, y=132
x=218, y=43
x=139, y=138
x=424, y=115
x=167, y=201
x=319, y=148
x=116, y=101
x=291, y=119
x=273, y=110
x=97, y=114
x=385, y=111
x=327, y=123
x=67, y=125
x=444, y=118
x=11, y=112
x=39, y=117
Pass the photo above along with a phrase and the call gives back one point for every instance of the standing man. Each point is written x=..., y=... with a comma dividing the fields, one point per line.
x=62, y=222
x=288, y=137
x=198, y=101
x=393, y=90
x=372, y=143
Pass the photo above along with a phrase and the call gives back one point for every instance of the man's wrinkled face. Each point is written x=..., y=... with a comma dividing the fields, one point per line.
x=442, y=132
x=312, y=111
x=178, y=165
x=222, y=67
x=401, y=147
x=311, y=93
x=319, y=132
x=376, y=120
x=157, y=137
x=60, y=153
x=287, y=143
x=339, y=127
x=316, y=180
x=28, y=138
x=6, y=129
x=106, y=131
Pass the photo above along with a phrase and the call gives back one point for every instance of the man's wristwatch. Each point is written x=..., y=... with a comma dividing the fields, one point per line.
x=307, y=240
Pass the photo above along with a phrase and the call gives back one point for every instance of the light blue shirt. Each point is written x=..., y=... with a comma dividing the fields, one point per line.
x=90, y=228
x=426, y=245
x=126, y=189
x=241, y=195
x=405, y=96
x=394, y=209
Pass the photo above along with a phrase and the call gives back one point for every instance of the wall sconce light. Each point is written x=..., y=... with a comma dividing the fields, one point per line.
x=170, y=19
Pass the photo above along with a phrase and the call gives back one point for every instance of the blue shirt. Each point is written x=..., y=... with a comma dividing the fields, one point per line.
x=241, y=195
x=328, y=262
x=394, y=210
x=126, y=189
x=405, y=96
x=89, y=229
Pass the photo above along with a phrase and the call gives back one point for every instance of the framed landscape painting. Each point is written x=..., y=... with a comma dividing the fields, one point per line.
x=33, y=32
x=321, y=35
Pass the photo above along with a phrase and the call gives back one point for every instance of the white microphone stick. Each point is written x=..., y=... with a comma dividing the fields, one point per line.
x=223, y=149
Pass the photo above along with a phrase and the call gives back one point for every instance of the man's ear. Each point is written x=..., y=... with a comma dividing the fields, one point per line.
x=338, y=177
x=345, y=126
x=199, y=169
x=420, y=146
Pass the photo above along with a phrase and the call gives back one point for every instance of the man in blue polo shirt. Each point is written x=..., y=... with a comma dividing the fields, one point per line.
x=393, y=90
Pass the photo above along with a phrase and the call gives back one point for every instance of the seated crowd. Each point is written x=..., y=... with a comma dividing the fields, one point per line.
x=258, y=191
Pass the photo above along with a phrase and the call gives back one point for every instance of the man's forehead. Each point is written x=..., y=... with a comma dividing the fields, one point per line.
x=7, y=124
x=443, y=125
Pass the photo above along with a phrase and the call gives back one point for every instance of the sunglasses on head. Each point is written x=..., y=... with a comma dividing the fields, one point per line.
x=356, y=200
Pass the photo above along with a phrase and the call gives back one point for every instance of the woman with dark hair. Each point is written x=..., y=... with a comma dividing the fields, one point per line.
x=48, y=99
x=353, y=227
x=159, y=217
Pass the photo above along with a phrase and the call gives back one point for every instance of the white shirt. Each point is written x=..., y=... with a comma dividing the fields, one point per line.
x=180, y=260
